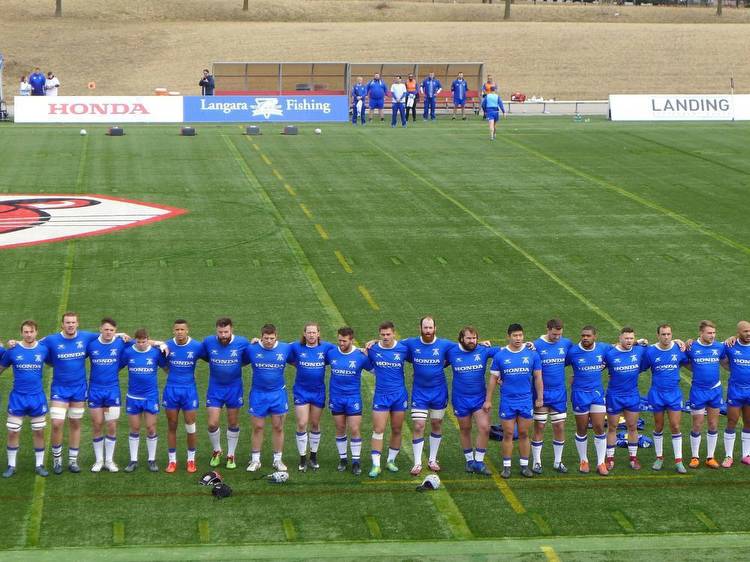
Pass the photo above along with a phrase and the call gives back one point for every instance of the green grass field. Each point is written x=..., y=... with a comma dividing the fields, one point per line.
x=595, y=222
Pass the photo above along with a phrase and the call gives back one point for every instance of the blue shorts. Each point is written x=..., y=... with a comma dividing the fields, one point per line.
x=65, y=393
x=457, y=101
x=104, y=397
x=32, y=405
x=555, y=399
x=304, y=396
x=435, y=398
x=511, y=408
x=738, y=396
x=582, y=400
x=661, y=400
x=346, y=405
x=395, y=401
x=376, y=103
x=617, y=403
x=183, y=398
x=264, y=404
x=700, y=399
x=148, y=404
x=492, y=115
x=464, y=406
x=229, y=396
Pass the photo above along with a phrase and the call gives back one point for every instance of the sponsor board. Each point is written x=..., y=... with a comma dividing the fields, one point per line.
x=98, y=109
x=680, y=107
x=217, y=109
x=39, y=218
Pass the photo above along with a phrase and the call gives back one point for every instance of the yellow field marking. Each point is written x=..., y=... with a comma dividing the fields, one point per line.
x=118, y=533
x=305, y=210
x=343, y=262
x=373, y=527
x=266, y=159
x=550, y=553
x=321, y=231
x=256, y=147
x=290, y=189
x=368, y=297
x=204, y=532
x=277, y=174
x=289, y=531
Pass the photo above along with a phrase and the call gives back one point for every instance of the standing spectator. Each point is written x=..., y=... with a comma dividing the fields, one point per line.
x=459, y=87
x=486, y=89
x=37, y=81
x=412, y=97
x=431, y=87
x=51, y=85
x=25, y=88
x=376, y=90
x=359, y=91
x=398, y=97
x=207, y=83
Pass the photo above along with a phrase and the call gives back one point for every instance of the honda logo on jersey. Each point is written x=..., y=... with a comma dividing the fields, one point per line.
x=35, y=219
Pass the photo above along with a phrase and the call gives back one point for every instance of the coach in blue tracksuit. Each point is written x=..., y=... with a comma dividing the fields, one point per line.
x=376, y=91
x=431, y=87
x=37, y=81
x=359, y=91
x=459, y=87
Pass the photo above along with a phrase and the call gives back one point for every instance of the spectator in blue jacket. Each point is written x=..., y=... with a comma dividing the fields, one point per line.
x=459, y=87
x=431, y=87
x=207, y=83
x=376, y=92
x=37, y=81
x=359, y=91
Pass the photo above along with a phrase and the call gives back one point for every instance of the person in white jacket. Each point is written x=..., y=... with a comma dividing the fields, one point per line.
x=398, y=101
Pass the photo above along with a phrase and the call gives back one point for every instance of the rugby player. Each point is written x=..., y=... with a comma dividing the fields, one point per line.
x=104, y=398
x=587, y=396
x=27, y=398
x=180, y=392
x=429, y=396
x=468, y=362
x=664, y=359
x=552, y=348
x=268, y=359
x=738, y=395
x=517, y=370
x=142, y=400
x=345, y=398
x=309, y=358
x=624, y=362
x=705, y=355
x=224, y=353
x=388, y=357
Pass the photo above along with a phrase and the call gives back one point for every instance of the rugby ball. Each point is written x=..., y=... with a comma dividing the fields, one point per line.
x=318, y=131
x=83, y=132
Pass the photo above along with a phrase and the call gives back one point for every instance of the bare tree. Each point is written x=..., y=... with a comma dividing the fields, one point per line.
x=245, y=5
x=58, y=8
x=718, y=7
x=506, y=16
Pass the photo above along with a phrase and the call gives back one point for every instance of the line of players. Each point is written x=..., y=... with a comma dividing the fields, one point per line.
x=531, y=377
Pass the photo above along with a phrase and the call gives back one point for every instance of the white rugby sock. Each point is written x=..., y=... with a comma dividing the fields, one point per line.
x=191, y=455
x=392, y=453
x=435, y=439
x=469, y=455
x=695, y=444
x=600, y=444
x=479, y=454
x=745, y=442
x=314, y=441
x=340, y=446
x=356, y=447
x=215, y=438
x=557, y=448
x=233, y=437
x=659, y=443
x=151, y=442
x=39, y=456
x=582, y=447
x=12, y=453
x=98, y=449
x=134, y=441
x=417, y=445
x=729, y=437
x=711, y=439
x=536, y=451
x=376, y=458
x=172, y=455
x=302, y=442
x=677, y=446
x=109, y=447
x=72, y=455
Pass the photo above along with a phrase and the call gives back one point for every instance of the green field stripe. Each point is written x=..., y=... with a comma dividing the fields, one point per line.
x=443, y=503
x=82, y=164
x=289, y=531
x=204, y=531
x=373, y=526
x=541, y=523
x=623, y=521
x=589, y=546
x=682, y=219
x=118, y=533
x=500, y=234
x=705, y=519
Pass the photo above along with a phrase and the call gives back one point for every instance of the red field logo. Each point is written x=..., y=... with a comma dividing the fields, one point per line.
x=36, y=219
